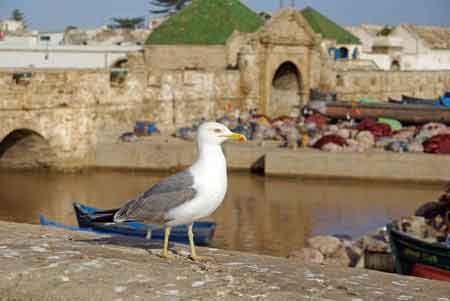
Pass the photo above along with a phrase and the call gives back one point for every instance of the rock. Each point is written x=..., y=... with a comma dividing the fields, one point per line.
x=327, y=245
x=374, y=245
x=361, y=263
x=355, y=254
x=339, y=258
x=307, y=256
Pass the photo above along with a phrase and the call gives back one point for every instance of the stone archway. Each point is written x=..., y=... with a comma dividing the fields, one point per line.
x=25, y=149
x=286, y=89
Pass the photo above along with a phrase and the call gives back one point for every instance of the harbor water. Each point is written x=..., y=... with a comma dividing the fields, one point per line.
x=260, y=215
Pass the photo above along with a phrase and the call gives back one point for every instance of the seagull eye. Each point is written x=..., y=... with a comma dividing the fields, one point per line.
x=217, y=130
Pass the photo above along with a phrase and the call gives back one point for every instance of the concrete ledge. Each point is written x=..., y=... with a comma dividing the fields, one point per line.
x=41, y=263
x=157, y=154
x=163, y=154
x=169, y=153
x=369, y=166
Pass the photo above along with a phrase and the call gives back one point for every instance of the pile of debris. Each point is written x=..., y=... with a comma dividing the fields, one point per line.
x=317, y=131
x=430, y=223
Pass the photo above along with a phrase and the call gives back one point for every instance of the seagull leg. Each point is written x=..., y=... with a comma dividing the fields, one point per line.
x=194, y=256
x=191, y=242
x=149, y=234
x=166, y=242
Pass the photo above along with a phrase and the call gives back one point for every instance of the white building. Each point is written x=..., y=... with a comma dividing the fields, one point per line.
x=50, y=38
x=367, y=33
x=49, y=50
x=54, y=57
x=408, y=47
x=11, y=26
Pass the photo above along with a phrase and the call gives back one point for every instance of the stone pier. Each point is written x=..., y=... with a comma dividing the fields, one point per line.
x=40, y=263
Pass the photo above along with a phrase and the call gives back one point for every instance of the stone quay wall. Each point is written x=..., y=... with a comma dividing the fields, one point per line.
x=354, y=85
x=75, y=110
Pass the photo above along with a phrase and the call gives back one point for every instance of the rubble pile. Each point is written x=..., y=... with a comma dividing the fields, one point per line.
x=430, y=223
x=317, y=131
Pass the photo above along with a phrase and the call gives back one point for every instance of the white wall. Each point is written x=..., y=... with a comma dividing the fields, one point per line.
x=18, y=41
x=366, y=38
x=56, y=38
x=433, y=60
x=410, y=42
x=63, y=56
x=383, y=61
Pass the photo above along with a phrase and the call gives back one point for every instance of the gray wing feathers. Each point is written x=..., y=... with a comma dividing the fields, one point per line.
x=153, y=205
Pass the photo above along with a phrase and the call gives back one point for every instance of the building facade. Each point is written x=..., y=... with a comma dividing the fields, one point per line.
x=408, y=47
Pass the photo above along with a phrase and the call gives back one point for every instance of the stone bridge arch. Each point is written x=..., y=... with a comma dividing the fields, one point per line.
x=24, y=148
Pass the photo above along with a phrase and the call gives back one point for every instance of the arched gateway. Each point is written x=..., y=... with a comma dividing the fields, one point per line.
x=285, y=54
x=286, y=89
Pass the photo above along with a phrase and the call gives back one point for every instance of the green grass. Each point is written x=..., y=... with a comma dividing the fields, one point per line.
x=327, y=28
x=206, y=22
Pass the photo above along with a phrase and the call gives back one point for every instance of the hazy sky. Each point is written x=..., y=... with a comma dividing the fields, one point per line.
x=57, y=14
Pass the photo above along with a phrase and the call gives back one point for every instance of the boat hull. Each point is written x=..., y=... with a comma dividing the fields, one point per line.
x=405, y=113
x=419, y=258
x=101, y=221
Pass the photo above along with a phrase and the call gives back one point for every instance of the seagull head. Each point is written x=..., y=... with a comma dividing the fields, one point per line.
x=214, y=133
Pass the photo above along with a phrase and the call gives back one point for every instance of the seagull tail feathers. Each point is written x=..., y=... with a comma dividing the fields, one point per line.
x=122, y=215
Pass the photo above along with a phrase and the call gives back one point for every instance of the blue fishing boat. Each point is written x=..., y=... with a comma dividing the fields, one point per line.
x=419, y=101
x=101, y=221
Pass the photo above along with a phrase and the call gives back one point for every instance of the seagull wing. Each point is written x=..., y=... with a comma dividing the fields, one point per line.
x=153, y=205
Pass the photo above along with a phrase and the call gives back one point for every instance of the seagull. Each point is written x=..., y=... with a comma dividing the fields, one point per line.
x=188, y=195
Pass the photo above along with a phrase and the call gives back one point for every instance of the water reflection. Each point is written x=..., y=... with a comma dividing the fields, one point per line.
x=264, y=215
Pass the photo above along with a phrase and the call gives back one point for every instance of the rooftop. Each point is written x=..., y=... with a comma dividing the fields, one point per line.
x=206, y=22
x=327, y=28
x=434, y=36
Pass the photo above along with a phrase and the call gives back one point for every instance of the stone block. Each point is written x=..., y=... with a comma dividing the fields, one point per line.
x=381, y=166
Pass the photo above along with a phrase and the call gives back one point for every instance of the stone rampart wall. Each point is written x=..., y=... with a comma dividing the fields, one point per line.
x=76, y=109
x=353, y=85
x=193, y=57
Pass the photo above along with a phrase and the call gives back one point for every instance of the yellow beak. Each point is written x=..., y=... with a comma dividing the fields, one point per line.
x=236, y=136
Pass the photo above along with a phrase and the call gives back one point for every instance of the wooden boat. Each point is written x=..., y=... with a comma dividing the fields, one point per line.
x=402, y=112
x=101, y=221
x=416, y=257
x=419, y=101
